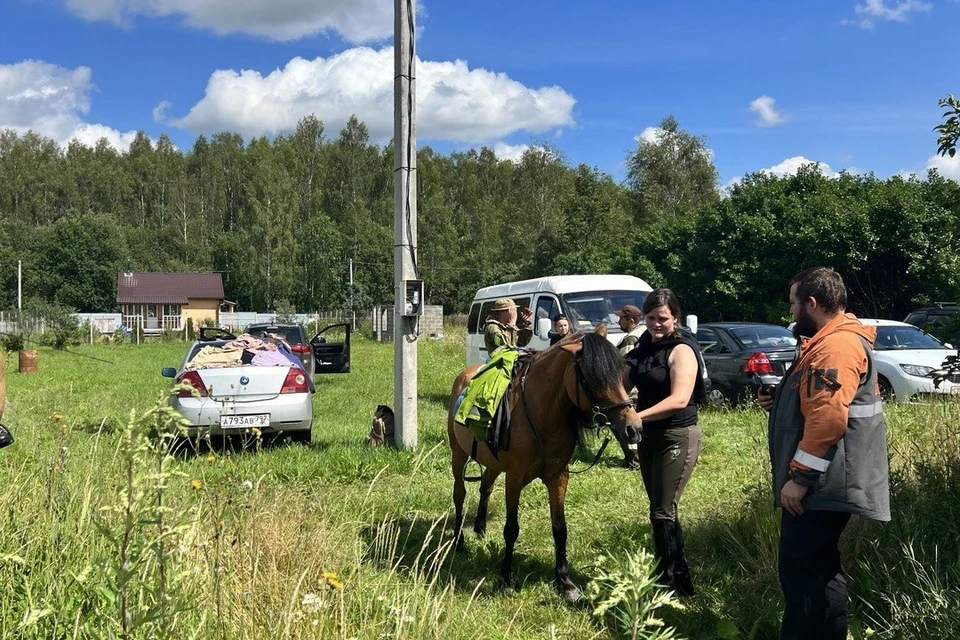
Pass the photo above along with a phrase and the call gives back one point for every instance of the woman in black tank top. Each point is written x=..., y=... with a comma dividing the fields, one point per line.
x=665, y=369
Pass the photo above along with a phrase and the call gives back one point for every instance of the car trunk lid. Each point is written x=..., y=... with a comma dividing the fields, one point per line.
x=244, y=383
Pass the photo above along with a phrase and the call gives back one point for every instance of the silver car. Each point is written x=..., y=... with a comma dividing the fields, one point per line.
x=238, y=398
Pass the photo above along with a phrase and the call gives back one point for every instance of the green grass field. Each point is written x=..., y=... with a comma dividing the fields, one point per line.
x=104, y=537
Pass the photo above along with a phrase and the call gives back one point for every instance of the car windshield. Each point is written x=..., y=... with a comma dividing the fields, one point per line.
x=898, y=337
x=587, y=309
x=760, y=336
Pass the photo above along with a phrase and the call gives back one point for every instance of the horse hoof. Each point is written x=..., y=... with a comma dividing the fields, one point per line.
x=571, y=595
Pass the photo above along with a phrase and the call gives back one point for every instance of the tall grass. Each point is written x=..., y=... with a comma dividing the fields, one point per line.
x=104, y=535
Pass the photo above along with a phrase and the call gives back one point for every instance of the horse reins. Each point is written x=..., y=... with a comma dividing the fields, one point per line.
x=599, y=419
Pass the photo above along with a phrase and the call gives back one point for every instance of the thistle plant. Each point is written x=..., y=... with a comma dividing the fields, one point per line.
x=145, y=580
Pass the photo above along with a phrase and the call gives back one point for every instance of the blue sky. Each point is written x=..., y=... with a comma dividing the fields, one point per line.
x=852, y=84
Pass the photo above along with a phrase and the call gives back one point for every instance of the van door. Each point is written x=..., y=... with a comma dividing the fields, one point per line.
x=548, y=307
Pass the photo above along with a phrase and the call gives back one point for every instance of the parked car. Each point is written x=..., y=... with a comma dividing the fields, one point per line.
x=330, y=358
x=941, y=321
x=906, y=358
x=742, y=356
x=294, y=334
x=237, y=389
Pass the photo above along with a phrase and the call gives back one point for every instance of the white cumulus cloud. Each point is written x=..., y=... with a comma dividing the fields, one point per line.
x=51, y=100
x=766, y=110
x=160, y=111
x=871, y=11
x=791, y=166
x=511, y=152
x=946, y=166
x=355, y=20
x=454, y=102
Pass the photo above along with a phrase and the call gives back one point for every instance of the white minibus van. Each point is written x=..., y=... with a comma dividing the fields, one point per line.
x=586, y=301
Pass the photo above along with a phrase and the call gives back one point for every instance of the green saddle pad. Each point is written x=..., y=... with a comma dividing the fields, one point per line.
x=485, y=390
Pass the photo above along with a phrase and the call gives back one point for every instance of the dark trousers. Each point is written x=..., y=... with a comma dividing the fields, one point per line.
x=814, y=585
x=667, y=459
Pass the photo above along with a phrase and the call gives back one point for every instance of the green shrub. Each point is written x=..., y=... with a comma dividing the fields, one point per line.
x=13, y=341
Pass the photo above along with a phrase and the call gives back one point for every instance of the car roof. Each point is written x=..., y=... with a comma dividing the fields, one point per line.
x=734, y=325
x=939, y=307
x=880, y=322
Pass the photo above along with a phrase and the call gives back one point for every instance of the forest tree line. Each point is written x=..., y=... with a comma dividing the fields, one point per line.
x=282, y=218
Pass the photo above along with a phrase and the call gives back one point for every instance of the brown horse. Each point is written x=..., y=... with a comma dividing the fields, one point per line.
x=581, y=375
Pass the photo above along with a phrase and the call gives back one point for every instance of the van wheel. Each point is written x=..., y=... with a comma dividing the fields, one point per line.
x=886, y=389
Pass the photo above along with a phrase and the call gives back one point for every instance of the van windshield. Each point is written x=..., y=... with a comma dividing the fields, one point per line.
x=587, y=309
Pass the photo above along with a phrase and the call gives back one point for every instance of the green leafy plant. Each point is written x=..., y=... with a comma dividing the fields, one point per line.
x=627, y=598
x=949, y=129
x=13, y=341
x=146, y=581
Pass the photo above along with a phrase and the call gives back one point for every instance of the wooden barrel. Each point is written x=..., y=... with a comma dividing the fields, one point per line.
x=28, y=361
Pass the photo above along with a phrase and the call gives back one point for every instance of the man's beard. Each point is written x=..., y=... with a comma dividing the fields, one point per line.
x=804, y=326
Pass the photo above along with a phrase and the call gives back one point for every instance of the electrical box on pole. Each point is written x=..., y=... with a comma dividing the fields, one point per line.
x=413, y=298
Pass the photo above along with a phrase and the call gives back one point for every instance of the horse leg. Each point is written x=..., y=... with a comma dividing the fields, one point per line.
x=458, y=464
x=511, y=528
x=557, y=491
x=487, y=481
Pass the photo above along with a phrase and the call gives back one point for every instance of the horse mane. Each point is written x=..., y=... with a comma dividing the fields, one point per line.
x=601, y=362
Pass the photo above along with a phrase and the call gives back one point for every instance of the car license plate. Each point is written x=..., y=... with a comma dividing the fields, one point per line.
x=240, y=422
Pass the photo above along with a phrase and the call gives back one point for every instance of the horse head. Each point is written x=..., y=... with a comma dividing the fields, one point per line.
x=595, y=384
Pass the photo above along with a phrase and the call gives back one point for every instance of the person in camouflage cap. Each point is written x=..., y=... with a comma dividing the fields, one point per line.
x=504, y=329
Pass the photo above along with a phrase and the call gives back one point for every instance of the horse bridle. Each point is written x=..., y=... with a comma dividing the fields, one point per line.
x=599, y=419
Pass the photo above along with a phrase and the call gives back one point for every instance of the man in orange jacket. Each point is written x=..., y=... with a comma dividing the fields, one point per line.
x=828, y=452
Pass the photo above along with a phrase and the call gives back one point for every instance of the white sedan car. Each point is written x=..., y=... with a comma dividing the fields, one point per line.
x=906, y=358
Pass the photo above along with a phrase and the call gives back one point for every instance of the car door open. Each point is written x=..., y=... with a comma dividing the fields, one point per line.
x=332, y=351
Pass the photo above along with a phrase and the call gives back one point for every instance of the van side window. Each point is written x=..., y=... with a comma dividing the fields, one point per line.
x=484, y=314
x=546, y=308
x=521, y=303
x=473, y=322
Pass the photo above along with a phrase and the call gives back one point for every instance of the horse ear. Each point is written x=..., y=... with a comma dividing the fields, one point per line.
x=601, y=329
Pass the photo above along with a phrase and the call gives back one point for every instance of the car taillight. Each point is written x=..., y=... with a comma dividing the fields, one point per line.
x=758, y=363
x=193, y=379
x=300, y=348
x=296, y=381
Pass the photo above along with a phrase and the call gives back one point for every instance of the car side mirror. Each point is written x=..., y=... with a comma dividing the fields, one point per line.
x=168, y=372
x=948, y=345
x=543, y=327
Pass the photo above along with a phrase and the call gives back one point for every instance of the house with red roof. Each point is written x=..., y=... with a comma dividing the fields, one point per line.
x=158, y=301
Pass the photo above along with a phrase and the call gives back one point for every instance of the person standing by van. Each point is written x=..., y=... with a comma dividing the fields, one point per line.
x=561, y=329
x=666, y=371
x=629, y=321
x=504, y=329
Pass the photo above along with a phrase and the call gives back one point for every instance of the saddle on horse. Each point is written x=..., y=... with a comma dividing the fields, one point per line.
x=484, y=405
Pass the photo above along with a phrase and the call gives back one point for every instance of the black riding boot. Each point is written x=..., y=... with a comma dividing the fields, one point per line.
x=672, y=569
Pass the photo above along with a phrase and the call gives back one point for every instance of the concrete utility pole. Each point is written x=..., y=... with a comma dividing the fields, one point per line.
x=404, y=223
